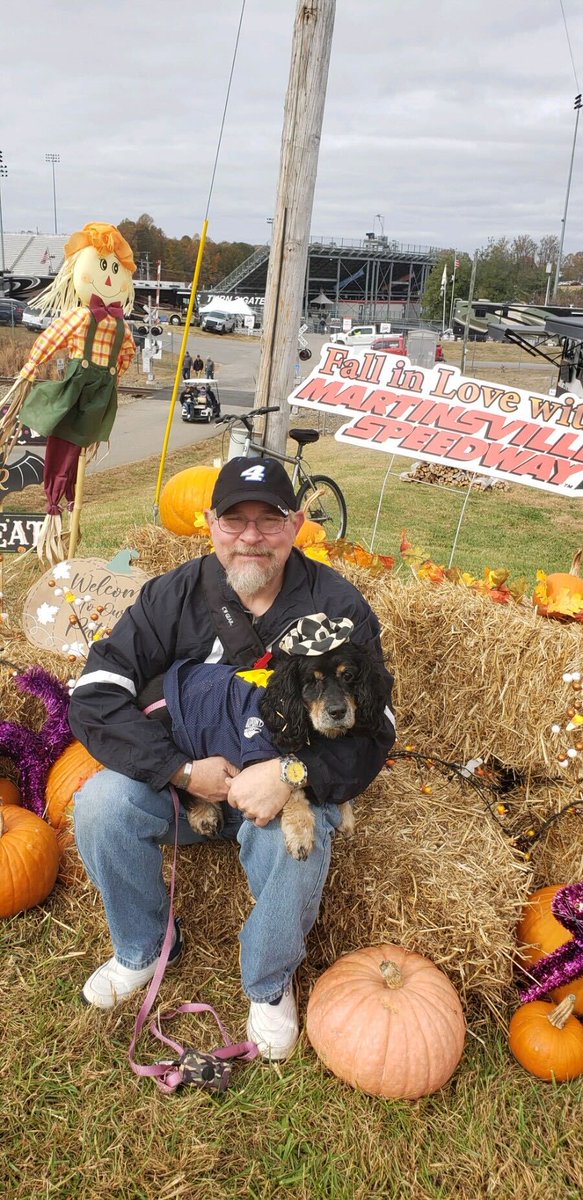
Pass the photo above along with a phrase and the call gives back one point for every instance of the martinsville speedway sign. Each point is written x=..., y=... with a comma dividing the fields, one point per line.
x=439, y=415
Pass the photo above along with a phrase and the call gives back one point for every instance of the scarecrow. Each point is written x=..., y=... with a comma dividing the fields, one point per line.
x=91, y=292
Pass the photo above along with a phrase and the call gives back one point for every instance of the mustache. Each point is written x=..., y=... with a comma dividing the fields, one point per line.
x=252, y=553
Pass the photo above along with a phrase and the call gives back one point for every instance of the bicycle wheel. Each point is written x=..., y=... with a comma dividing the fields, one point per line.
x=327, y=507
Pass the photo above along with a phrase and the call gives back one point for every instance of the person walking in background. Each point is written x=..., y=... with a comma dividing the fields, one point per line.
x=198, y=366
x=209, y=368
x=186, y=366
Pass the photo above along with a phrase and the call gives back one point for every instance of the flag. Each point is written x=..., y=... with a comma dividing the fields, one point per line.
x=443, y=281
x=46, y=258
x=457, y=263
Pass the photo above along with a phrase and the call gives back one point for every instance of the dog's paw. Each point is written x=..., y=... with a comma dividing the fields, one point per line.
x=205, y=819
x=347, y=825
x=299, y=835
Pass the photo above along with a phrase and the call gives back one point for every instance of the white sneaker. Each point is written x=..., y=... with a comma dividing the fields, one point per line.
x=274, y=1027
x=111, y=983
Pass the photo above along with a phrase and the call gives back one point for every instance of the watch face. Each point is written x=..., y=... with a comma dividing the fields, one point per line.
x=294, y=771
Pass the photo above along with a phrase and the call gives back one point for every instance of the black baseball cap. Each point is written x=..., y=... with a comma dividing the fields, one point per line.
x=253, y=479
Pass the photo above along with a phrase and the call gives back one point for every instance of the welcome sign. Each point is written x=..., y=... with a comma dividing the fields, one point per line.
x=439, y=415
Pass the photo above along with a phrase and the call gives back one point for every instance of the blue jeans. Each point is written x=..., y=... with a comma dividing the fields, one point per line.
x=121, y=825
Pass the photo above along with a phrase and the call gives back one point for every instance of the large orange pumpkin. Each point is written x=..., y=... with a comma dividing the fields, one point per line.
x=187, y=493
x=388, y=1021
x=547, y=1040
x=29, y=859
x=539, y=933
x=67, y=775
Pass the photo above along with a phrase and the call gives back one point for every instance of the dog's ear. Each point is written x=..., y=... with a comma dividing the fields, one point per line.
x=372, y=692
x=282, y=707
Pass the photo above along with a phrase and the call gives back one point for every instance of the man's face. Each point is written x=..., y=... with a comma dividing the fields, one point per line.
x=252, y=558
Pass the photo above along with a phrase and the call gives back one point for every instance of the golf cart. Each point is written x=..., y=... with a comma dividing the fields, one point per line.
x=200, y=400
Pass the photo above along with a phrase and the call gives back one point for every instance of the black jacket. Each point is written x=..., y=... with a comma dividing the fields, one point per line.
x=169, y=621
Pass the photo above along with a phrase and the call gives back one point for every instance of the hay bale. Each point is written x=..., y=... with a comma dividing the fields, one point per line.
x=474, y=678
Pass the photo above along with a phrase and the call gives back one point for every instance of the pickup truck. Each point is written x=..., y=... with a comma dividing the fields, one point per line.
x=359, y=335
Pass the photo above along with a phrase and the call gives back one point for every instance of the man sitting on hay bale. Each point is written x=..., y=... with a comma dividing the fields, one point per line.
x=231, y=606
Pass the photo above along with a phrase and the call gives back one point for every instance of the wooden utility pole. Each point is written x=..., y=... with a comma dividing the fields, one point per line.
x=304, y=111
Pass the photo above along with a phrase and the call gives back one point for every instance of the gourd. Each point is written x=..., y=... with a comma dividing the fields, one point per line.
x=187, y=493
x=387, y=1021
x=310, y=533
x=29, y=859
x=539, y=933
x=547, y=1039
x=560, y=595
x=67, y=775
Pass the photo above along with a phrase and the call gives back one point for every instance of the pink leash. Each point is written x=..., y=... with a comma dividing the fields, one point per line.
x=210, y=1071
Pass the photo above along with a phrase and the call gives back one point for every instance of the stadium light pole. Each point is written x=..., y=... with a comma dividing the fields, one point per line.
x=3, y=174
x=52, y=159
x=577, y=107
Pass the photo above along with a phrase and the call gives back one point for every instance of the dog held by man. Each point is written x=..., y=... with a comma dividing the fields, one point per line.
x=323, y=683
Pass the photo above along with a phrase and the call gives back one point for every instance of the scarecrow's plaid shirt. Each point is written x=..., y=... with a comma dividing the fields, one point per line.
x=69, y=332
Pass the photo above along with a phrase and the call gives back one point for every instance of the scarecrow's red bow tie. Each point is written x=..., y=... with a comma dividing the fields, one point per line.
x=100, y=310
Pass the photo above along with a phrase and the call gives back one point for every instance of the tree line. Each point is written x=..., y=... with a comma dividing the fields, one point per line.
x=507, y=270
x=178, y=255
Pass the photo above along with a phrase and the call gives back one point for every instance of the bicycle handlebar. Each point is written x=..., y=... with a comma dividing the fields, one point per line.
x=248, y=417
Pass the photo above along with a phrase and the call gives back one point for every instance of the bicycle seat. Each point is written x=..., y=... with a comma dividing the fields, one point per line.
x=304, y=436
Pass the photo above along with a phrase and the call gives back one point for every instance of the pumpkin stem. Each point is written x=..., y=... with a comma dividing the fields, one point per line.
x=576, y=563
x=391, y=974
x=310, y=500
x=563, y=1011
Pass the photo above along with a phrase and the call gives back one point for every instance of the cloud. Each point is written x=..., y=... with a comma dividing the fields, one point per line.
x=453, y=121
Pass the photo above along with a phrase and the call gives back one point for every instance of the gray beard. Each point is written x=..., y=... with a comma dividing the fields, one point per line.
x=246, y=579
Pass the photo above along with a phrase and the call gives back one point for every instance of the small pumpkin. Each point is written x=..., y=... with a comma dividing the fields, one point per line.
x=560, y=595
x=539, y=933
x=547, y=1039
x=29, y=859
x=387, y=1021
x=310, y=534
x=184, y=495
x=9, y=792
x=67, y=775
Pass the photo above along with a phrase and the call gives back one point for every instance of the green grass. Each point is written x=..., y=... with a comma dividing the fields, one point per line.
x=76, y=1123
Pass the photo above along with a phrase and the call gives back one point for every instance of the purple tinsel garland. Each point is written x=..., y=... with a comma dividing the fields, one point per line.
x=565, y=964
x=35, y=752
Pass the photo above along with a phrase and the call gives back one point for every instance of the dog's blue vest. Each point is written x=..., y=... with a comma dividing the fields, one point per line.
x=215, y=710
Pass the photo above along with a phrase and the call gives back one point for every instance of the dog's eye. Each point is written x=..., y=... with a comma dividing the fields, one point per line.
x=349, y=675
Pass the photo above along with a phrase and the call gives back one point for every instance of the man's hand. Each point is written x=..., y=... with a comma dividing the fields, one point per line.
x=211, y=779
x=258, y=792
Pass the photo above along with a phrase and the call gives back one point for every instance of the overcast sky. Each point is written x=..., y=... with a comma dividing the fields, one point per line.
x=446, y=122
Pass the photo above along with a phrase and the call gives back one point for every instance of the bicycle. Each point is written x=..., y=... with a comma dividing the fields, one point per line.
x=319, y=495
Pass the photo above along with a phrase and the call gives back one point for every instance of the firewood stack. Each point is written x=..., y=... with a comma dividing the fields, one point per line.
x=426, y=472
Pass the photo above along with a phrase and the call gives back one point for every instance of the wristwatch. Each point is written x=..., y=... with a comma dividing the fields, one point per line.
x=184, y=777
x=293, y=771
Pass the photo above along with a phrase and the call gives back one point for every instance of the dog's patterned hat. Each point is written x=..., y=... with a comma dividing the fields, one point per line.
x=316, y=634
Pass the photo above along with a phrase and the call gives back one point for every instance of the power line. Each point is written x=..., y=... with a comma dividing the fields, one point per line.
x=569, y=45
x=208, y=204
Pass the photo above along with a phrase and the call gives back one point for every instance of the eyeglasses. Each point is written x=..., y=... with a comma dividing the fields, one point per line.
x=267, y=524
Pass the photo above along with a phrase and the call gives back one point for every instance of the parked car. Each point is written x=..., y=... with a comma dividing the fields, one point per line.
x=394, y=343
x=200, y=401
x=218, y=321
x=391, y=343
x=11, y=311
x=35, y=320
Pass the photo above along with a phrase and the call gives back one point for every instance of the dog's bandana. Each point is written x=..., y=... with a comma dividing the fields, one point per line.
x=316, y=634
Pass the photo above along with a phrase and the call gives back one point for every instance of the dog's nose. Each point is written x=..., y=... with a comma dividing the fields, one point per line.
x=337, y=711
